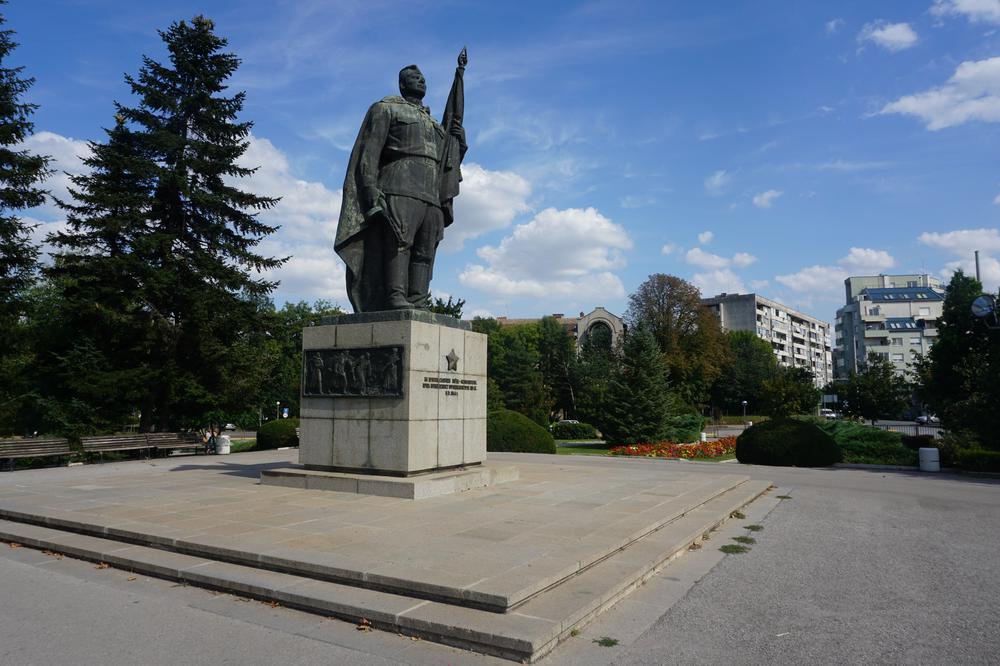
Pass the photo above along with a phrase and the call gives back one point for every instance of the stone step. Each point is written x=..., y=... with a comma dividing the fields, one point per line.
x=525, y=633
x=488, y=593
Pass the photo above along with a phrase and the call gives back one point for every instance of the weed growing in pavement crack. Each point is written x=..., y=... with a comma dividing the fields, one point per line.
x=783, y=497
x=733, y=549
x=754, y=528
x=744, y=539
x=739, y=515
x=604, y=641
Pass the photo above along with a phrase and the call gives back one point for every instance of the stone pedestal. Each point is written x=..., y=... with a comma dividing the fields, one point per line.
x=392, y=393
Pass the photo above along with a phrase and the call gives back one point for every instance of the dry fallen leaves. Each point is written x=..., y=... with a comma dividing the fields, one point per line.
x=364, y=625
x=102, y=565
x=52, y=553
x=14, y=545
x=130, y=578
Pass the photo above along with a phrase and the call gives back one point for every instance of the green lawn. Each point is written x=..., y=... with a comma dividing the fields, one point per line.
x=571, y=447
x=240, y=445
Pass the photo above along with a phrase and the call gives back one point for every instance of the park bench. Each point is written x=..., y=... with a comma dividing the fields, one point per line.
x=12, y=449
x=170, y=441
x=107, y=443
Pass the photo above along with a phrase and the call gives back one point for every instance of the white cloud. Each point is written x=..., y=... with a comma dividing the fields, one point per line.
x=997, y=200
x=668, y=248
x=976, y=11
x=743, y=259
x=716, y=184
x=828, y=281
x=67, y=156
x=963, y=241
x=815, y=279
x=962, y=244
x=490, y=200
x=717, y=282
x=698, y=257
x=560, y=253
x=765, y=199
x=705, y=237
x=972, y=93
x=307, y=214
x=834, y=25
x=890, y=36
x=861, y=260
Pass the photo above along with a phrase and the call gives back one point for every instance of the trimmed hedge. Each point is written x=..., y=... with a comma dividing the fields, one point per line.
x=979, y=460
x=512, y=431
x=867, y=445
x=786, y=443
x=917, y=442
x=574, y=431
x=277, y=434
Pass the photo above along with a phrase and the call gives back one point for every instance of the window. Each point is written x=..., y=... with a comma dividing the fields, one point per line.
x=898, y=342
x=925, y=312
x=915, y=341
x=911, y=283
x=897, y=358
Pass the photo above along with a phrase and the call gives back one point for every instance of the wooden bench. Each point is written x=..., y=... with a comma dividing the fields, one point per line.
x=169, y=441
x=108, y=443
x=12, y=449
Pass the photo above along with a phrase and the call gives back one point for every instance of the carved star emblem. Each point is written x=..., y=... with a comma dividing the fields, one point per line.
x=452, y=359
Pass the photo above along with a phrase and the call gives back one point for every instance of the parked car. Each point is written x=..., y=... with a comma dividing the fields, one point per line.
x=827, y=413
x=928, y=419
x=230, y=426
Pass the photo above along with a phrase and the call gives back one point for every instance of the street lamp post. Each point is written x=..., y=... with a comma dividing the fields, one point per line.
x=744, y=411
x=277, y=410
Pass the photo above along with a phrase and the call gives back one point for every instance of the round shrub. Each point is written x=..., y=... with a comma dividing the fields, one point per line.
x=574, y=431
x=277, y=434
x=786, y=443
x=513, y=431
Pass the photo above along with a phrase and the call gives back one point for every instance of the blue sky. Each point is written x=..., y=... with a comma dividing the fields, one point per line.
x=759, y=146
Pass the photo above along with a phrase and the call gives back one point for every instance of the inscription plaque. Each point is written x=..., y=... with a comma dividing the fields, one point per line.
x=367, y=372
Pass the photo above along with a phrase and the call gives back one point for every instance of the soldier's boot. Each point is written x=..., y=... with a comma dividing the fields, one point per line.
x=397, y=270
x=420, y=284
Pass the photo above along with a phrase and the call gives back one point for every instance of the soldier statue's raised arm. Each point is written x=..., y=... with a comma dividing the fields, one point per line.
x=402, y=179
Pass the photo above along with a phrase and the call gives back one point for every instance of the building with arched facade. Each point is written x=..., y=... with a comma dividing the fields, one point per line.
x=596, y=322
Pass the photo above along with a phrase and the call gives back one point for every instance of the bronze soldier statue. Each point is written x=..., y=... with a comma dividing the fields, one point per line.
x=402, y=179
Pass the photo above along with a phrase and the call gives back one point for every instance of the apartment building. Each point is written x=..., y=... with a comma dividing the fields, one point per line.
x=797, y=339
x=894, y=316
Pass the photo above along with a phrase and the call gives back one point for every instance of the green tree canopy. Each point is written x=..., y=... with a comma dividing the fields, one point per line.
x=750, y=363
x=162, y=241
x=876, y=391
x=788, y=391
x=638, y=403
x=960, y=378
x=687, y=333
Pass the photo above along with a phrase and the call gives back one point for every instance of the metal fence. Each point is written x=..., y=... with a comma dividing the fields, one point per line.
x=911, y=429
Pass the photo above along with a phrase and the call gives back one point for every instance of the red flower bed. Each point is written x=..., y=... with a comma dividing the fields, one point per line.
x=721, y=447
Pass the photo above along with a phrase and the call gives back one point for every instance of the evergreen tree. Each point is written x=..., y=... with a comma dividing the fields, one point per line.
x=638, y=403
x=21, y=174
x=556, y=352
x=590, y=373
x=788, y=391
x=450, y=307
x=166, y=222
x=959, y=378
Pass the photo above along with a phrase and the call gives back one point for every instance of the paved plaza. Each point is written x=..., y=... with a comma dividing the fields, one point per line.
x=857, y=567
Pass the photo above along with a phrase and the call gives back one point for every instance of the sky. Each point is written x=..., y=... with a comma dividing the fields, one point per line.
x=766, y=146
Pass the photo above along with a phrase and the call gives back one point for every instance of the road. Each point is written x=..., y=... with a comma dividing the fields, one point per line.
x=858, y=566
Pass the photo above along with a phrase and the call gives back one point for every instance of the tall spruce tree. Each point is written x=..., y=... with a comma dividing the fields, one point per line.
x=638, y=402
x=21, y=174
x=162, y=212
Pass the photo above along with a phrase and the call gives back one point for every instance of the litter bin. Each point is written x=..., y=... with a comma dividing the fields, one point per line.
x=222, y=445
x=930, y=459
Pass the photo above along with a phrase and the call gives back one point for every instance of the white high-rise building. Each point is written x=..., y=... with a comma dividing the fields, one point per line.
x=894, y=316
x=797, y=339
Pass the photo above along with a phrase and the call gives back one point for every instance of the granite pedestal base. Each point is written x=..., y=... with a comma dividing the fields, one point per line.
x=432, y=484
x=393, y=394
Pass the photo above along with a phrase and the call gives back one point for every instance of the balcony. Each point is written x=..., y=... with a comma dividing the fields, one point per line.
x=876, y=333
